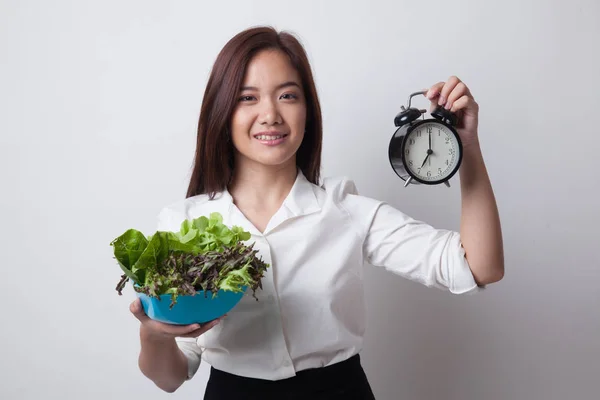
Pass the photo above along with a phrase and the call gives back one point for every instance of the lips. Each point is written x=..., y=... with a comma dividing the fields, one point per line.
x=272, y=135
x=271, y=138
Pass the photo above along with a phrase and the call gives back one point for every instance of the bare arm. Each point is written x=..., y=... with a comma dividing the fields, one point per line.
x=161, y=361
x=480, y=229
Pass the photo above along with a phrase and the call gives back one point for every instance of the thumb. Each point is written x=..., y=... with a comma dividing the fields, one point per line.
x=138, y=311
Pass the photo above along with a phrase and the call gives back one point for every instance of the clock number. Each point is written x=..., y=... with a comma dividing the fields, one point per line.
x=410, y=163
x=447, y=162
x=451, y=151
x=419, y=133
x=419, y=170
x=428, y=173
x=411, y=141
x=440, y=170
x=429, y=129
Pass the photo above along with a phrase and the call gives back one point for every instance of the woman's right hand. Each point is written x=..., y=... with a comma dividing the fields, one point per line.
x=159, y=330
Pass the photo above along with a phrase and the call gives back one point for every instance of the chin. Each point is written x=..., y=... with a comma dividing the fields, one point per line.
x=267, y=160
x=275, y=161
x=268, y=156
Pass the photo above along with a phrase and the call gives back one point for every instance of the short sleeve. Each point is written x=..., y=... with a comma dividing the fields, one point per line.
x=418, y=251
x=168, y=220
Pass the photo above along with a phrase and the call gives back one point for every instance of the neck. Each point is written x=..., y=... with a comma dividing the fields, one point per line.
x=257, y=185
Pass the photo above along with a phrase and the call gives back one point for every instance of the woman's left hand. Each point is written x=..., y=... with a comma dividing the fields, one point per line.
x=455, y=96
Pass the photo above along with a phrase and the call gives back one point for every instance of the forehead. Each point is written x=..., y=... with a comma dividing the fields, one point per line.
x=269, y=68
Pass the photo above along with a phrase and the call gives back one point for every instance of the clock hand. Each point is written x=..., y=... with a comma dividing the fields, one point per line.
x=429, y=152
x=429, y=141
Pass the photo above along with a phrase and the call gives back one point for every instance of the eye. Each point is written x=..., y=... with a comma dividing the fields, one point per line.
x=289, y=96
x=246, y=98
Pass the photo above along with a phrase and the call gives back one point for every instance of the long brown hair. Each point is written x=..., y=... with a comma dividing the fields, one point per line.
x=213, y=161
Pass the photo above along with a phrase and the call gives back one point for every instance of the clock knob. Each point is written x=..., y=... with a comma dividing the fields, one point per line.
x=446, y=116
x=407, y=116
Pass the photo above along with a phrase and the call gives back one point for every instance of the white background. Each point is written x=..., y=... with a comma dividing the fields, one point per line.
x=99, y=103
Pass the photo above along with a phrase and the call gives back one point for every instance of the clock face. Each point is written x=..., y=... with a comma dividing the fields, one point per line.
x=431, y=152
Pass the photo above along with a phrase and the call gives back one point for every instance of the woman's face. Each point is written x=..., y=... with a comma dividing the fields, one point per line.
x=268, y=122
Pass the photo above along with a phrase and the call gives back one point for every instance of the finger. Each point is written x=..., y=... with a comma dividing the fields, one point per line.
x=464, y=103
x=459, y=90
x=203, y=329
x=447, y=89
x=434, y=91
x=138, y=311
x=179, y=330
x=176, y=330
x=433, y=94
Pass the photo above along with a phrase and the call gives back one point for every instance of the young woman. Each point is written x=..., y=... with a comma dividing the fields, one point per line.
x=257, y=163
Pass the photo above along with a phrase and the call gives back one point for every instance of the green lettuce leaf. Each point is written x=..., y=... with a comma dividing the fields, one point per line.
x=128, y=248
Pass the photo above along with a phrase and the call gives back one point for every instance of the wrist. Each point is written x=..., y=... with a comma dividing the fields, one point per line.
x=471, y=143
x=150, y=336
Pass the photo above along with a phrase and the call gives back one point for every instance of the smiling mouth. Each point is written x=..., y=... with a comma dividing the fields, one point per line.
x=269, y=136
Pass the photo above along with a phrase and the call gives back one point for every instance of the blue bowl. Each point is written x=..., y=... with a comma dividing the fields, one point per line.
x=190, y=309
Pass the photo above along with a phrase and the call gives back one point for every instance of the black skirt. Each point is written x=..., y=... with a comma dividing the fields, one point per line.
x=345, y=380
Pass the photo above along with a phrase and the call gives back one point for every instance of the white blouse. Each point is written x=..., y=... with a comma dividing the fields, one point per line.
x=311, y=310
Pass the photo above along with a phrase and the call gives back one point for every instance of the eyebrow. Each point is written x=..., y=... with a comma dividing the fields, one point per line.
x=283, y=85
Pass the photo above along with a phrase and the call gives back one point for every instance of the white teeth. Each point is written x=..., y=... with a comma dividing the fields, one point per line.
x=266, y=137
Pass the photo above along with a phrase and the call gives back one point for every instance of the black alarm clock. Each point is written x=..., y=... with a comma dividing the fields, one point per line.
x=425, y=151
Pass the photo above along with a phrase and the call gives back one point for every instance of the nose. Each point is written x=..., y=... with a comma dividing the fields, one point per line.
x=269, y=114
